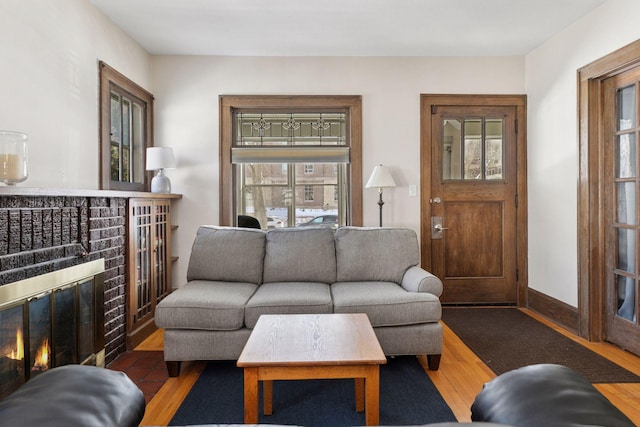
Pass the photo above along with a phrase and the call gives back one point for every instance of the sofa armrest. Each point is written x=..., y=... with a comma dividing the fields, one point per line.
x=416, y=279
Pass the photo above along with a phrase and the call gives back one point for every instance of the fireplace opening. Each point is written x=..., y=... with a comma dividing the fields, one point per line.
x=51, y=320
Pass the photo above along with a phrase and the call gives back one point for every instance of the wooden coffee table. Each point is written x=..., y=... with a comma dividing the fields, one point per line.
x=314, y=346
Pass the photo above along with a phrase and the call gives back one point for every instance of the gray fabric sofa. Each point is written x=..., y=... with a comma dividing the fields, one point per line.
x=237, y=274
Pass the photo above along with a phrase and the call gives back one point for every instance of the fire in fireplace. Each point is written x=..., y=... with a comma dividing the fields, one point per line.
x=51, y=320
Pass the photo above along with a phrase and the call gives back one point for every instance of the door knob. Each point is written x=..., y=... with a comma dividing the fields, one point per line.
x=436, y=227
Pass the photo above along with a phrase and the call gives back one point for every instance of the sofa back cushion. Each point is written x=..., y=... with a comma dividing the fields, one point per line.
x=375, y=254
x=300, y=255
x=227, y=254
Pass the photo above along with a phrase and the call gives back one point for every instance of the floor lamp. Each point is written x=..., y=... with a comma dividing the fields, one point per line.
x=380, y=178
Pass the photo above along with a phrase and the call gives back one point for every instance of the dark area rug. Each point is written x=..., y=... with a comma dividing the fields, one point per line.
x=407, y=396
x=506, y=339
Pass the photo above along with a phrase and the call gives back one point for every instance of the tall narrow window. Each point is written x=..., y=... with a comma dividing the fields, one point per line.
x=125, y=131
x=293, y=158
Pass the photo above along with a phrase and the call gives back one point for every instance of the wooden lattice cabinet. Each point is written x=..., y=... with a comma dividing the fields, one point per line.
x=149, y=278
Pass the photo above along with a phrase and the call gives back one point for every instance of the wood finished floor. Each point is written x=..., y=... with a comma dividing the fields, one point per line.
x=459, y=379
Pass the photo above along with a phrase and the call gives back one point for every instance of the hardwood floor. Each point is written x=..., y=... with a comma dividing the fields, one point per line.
x=459, y=379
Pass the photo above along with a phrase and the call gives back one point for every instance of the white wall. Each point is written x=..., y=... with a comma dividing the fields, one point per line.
x=551, y=86
x=186, y=112
x=49, y=52
x=49, y=88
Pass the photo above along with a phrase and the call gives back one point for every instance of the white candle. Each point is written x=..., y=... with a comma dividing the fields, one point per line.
x=11, y=169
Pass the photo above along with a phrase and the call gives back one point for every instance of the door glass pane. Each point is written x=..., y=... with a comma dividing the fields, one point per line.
x=626, y=156
x=626, y=250
x=473, y=149
x=493, y=149
x=626, y=107
x=626, y=203
x=451, y=149
x=626, y=297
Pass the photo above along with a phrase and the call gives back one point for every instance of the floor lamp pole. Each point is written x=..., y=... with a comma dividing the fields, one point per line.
x=380, y=203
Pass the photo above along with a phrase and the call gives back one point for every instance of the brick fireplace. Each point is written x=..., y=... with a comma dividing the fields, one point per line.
x=42, y=232
x=51, y=320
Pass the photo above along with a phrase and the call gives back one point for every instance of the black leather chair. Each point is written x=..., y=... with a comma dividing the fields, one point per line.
x=75, y=395
x=546, y=395
x=247, y=221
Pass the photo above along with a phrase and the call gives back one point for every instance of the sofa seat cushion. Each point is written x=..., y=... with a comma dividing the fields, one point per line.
x=386, y=303
x=205, y=305
x=300, y=255
x=288, y=298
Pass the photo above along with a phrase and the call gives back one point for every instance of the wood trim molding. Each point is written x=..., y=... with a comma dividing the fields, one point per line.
x=555, y=310
x=228, y=103
x=520, y=103
x=591, y=227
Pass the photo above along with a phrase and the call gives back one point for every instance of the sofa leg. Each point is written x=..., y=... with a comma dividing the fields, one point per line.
x=433, y=361
x=173, y=367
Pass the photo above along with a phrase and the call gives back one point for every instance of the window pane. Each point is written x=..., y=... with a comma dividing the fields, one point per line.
x=126, y=122
x=265, y=173
x=493, y=149
x=290, y=129
x=626, y=107
x=115, y=163
x=308, y=193
x=626, y=250
x=138, y=140
x=626, y=156
x=451, y=149
x=267, y=193
x=116, y=117
x=626, y=206
x=126, y=158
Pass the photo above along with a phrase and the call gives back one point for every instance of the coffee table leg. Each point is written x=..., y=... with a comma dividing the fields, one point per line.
x=372, y=395
x=267, y=397
x=251, y=395
x=359, y=388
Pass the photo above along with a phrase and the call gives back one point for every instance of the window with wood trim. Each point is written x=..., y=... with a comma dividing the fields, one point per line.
x=282, y=155
x=126, y=120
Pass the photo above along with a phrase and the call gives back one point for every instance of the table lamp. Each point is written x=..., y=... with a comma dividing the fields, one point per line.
x=159, y=159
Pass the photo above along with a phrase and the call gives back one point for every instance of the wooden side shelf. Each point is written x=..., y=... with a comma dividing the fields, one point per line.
x=150, y=262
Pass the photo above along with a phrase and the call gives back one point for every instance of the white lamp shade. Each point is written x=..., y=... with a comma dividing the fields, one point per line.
x=160, y=158
x=380, y=178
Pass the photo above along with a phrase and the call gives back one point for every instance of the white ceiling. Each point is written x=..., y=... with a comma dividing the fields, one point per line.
x=343, y=27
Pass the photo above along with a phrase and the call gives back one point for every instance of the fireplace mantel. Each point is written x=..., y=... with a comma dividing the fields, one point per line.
x=79, y=192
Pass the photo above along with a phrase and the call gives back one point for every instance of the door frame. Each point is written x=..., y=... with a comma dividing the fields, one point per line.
x=591, y=226
x=429, y=101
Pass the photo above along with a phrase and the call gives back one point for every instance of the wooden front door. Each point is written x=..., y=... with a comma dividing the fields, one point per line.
x=470, y=201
